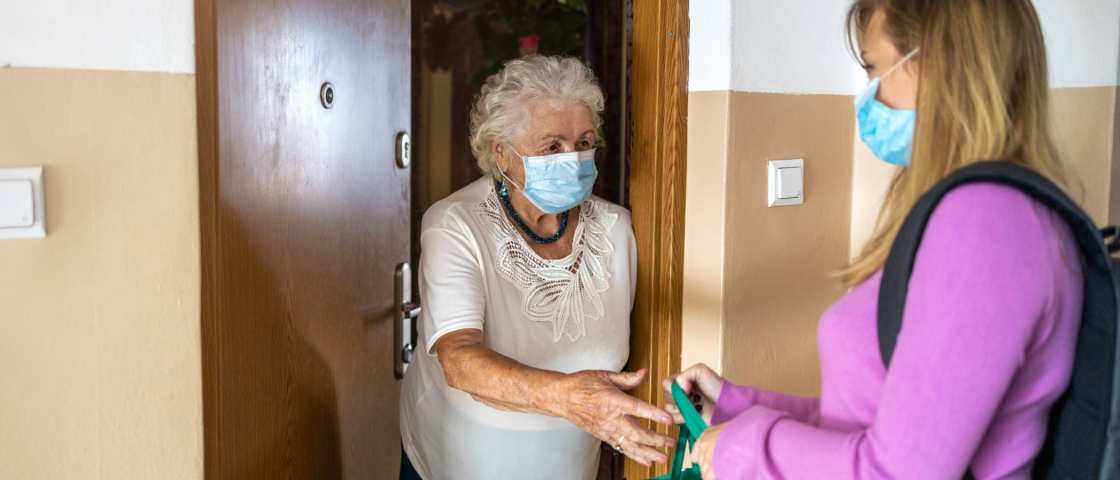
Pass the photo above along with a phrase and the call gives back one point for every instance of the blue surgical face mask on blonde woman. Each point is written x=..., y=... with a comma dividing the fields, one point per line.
x=888, y=132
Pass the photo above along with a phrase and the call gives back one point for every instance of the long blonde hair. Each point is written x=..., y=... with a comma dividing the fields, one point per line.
x=983, y=94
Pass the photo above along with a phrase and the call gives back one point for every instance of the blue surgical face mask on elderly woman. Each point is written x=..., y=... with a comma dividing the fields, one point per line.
x=888, y=132
x=559, y=182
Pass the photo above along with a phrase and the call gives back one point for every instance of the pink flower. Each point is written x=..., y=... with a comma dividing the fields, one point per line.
x=529, y=44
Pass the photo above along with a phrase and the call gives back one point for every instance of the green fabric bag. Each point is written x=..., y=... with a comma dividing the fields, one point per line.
x=690, y=432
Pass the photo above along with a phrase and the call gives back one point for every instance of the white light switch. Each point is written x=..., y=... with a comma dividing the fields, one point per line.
x=22, y=213
x=786, y=183
x=789, y=183
x=17, y=204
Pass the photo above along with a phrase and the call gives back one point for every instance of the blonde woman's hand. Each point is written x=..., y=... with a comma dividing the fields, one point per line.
x=595, y=401
x=703, y=387
x=704, y=451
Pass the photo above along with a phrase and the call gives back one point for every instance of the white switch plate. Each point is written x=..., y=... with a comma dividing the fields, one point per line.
x=22, y=210
x=785, y=183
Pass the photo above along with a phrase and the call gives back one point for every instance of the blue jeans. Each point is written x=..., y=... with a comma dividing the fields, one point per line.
x=408, y=472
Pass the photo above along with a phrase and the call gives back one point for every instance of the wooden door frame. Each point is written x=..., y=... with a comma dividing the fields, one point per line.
x=659, y=113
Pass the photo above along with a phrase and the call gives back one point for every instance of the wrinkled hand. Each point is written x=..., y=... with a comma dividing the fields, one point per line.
x=704, y=450
x=594, y=401
x=703, y=387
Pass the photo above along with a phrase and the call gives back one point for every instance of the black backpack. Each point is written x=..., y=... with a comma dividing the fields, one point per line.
x=1083, y=439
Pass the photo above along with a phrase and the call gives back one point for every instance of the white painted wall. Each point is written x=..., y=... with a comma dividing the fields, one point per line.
x=1083, y=40
x=792, y=46
x=798, y=46
x=134, y=35
x=709, y=53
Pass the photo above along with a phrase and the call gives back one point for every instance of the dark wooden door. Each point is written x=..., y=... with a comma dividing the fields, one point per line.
x=305, y=216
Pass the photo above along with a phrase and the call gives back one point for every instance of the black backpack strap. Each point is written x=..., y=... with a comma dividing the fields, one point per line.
x=1090, y=397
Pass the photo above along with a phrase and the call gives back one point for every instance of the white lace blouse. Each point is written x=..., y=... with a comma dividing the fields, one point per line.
x=565, y=315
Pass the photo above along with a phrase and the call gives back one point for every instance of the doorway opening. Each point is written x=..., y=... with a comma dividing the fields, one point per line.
x=639, y=52
x=457, y=44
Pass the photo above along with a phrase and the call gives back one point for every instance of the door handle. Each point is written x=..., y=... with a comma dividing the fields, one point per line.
x=405, y=312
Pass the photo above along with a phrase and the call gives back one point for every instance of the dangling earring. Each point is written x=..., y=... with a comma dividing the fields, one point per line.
x=503, y=188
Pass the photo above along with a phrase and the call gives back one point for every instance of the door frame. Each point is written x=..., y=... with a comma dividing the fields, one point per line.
x=658, y=145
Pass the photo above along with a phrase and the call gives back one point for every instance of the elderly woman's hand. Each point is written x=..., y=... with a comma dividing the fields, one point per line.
x=595, y=402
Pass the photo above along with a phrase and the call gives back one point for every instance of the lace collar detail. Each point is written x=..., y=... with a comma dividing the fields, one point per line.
x=565, y=292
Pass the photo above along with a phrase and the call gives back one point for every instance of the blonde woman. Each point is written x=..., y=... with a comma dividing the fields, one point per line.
x=995, y=292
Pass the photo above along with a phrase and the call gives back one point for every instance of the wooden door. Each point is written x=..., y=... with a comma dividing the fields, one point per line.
x=305, y=216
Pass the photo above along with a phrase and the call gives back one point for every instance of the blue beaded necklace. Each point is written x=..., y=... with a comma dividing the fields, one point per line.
x=503, y=193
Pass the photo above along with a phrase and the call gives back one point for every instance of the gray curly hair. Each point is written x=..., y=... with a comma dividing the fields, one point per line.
x=499, y=113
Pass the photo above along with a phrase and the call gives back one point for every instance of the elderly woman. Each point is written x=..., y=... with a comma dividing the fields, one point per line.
x=527, y=282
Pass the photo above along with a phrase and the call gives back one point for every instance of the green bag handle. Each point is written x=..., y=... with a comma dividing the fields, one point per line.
x=694, y=426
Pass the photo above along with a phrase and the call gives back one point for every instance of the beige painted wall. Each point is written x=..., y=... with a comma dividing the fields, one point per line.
x=1114, y=197
x=1083, y=129
x=758, y=278
x=779, y=260
x=705, y=229
x=99, y=329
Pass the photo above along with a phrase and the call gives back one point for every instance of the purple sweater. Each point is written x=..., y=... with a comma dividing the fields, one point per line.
x=986, y=348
